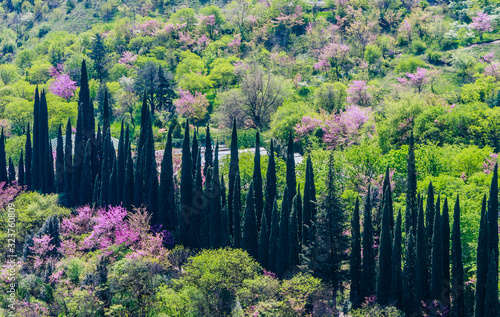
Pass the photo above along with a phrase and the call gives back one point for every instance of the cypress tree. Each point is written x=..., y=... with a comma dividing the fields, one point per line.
x=491, y=298
x=152, y=180
x=420, y=256
x=121, y=162
x=257, y=181
x=436, y=260
x=68, y=164
x=47, y=163
x=481, y=263
x=293, y=233
x=113, y=185
x=384, y=255
x=12, y=171
x=139, y=178
x=233, y=171
x=355, y=259
x=299, y=217
x=197, y=233
x=397, y=279
x=309, y=205
x=282, y=251
x=3, y=160
x=107, y=163
x=35, y=165
x=237, y=212
x=128, y=185
x=457, y=268
x=28, y=158
x=85, y=188
x=411, y=192
x=291, y=181
x=270, y=184
x=208, y=152
x=106, y=118
x=410, y=303
x=250, y=233
x=445, y=232
x=493, y=221
x=59, y=162
x=429, y=216
x=77, y=160
x=273, y=237
x=368, y=280
x=206, y=211
x=85, y=107
x=216, y=225
x=20, y=168
x=194, y=152
x=263, y=251
x=386, y=186
x=225, y=236
x=167, y=202
x=186, y=187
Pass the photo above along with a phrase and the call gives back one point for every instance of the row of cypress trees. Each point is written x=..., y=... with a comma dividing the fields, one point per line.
x=418, y=280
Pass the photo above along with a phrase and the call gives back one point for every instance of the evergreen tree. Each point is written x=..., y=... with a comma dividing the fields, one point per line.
x=107, y=163
x=386, y=186
x=167, y=202
x=491, y=298
x=165, y=93
x=233, y=171
x=436, y=258
x=291, y=181
x=273, y=238
x=3, y=160
x=98, y=55
x=282, y=251
x=410, y=303
x=270, y=184
x=85, y=188
x=225, y=236
x=35, y=164
x=368, y=272
x=68, y=163
x=20, y=169
x=214, y=197
x=59, y=162
x=309, y=204
x=128, y=185
x=77, y=160
x=481, y=263
x=384, y=255
x=445, y=232
x=113, y=185
x=293, y=233
x=411, y=192
x=355, y=260
x=237, y=212
x=186, y=187
x=421, y=268
x=429, y=216
x=396, y=279
x=299, y=218
x=152, y=174
x=28, y=158
x=46, y=162
x=96, y=191
x=12, y=172
x=263, y=250
x=493, y=220
x=194, y=152
x=457, y=268
x=257, y=181
x=196, y=234
x=121, y=163
x=106, y=116
x=250, y=233
x=208, y=151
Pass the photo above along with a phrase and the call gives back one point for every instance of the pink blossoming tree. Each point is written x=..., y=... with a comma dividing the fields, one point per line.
x=62, y=86
x=357, y=94
x=417, y=80
x=192, y=106
x=481, y=23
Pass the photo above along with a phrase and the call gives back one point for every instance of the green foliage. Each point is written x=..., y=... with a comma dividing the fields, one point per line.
x=286, y=117
x=418, y=47
x=331, y=97
x=408, y=64
x=372, y=53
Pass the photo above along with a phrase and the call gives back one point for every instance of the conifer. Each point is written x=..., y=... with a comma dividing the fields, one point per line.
x=28, y=158
x=282, y=250
x=436, y=259
x=491, y=298
x=291, y=181
x=445, y=246
x=35, y=165
x=59, y=162
x=457, y=268
x=121, y=163
x=250, y=231
x=21, y=172
x=355, y=259
x=113, y=186
x=128, y=185
x=273, y=237
x=263, y=251
x=167, y=203
x=237, y=212
x=12, y=172
x=257, y=181
x=270, y=184
x=233, y=171
x=396, y=279
x=208, y=151
x=420, y=257
x=493, y=220
x=85, y=188
x=68, y=163
x=293, y=233
x=411, y=192
x=481, y=263
x=186, y=187
x=3, y=161
x=384, y=255
x=368, y=272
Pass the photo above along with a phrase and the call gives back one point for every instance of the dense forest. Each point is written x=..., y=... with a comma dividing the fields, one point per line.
x=249, y=158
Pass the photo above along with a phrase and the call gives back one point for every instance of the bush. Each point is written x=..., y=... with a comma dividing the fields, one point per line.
x=408, y=64
x=434, y=57
x=330, y=97
x=372, y=53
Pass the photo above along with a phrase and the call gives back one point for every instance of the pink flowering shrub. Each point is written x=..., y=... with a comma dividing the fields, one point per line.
x=149, y=28
x=490, y=163
x=417, y=80
x=192, y=106
x=333, y=56
x=481, y=23
x=8, y=193
x=41, y=248
x=77, y=225
x=127, y=59
x=357, y=94
x=492, y=70
x=63, y=86
x=488, y=58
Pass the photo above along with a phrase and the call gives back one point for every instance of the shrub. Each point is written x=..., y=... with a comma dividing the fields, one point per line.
x=418, y=47
x=408, y=64
x=434, y=57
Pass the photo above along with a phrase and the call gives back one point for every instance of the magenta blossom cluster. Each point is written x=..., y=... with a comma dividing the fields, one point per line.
x=150, y=27
x=417, y=80
x=493, y=70
x=127, y=59
x=481, y=23
x=488, y=58
x=8, y=193
x=63, y=86
x=357, y=93
x=490, y=163
x=332, y=53
x=192, y=106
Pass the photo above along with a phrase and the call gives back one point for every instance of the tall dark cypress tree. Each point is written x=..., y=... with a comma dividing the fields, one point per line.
x=282, y=251
x=457, y=267
x=421, y=284
x=35, y=164
x=106, y=116
x=167, y=212
x=263, y=251
x=20, y=169
x=79, y=150
x=355, y=259
x=121, y=163
x=215, y=221
x=436, y=259
x=206, y=211
x=270, y=184
x=491, y=298
x=429, y=216
x=68, y=164
x=85, y=188
x=47, y=163
x=28, y=158
x=309, y=205
x=250, y=233
x=208, y=151
x=225, y=236
x=3, y=161
x=237, y=212
x=291, y=180
x=60, y=162
x=107, y=163
x=410, y=303
x=12, y=172
x=194, y=151
x=299, y=217
x=386, y=186
x=368, y=273
x=152, y=180
x=493, y=221
x=128, y=185
x=293, y=234
x=112, y=184
x=273, y=237
x=186, y=187
x=411, y=191
x=445, y=232
x=86, y=107
x=257, y=181
x=196, y=231
x=384, y=255
x=396, y=279
x=481, y=263
x=96, y=191
x=234, y=169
